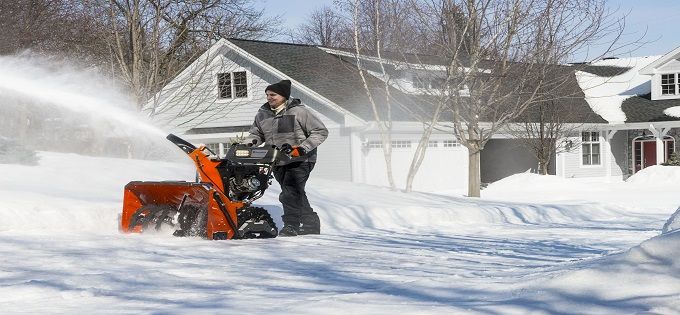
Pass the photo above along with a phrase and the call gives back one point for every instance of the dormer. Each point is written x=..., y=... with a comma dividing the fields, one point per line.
x=665, y=72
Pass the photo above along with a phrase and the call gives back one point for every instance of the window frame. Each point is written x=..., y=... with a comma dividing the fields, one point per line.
x=450, y=143
x=401, y=144
x=671, y=82
x=232, y=90
x=590, y=143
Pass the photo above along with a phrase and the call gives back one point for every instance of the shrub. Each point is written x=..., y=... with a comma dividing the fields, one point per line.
x=674, y=160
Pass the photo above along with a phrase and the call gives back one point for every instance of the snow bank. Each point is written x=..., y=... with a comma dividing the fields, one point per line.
x=657, y=175
x=606, y=94
x=673, y=223
x=630, y=281
x=532, y=182
x=70, y=192
x=652, y=190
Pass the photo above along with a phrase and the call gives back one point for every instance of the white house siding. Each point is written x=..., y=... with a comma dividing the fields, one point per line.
x=670, y=66
x=334, y=156
x=212, y=111
x=443, y=169
x=570, y=163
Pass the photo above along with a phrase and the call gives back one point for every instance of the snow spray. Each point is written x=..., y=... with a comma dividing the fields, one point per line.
x=81, y=91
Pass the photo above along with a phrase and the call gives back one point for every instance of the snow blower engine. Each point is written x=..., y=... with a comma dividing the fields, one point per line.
x=217, y=206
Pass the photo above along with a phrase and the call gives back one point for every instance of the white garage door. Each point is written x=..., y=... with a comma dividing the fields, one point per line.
x=444, y=168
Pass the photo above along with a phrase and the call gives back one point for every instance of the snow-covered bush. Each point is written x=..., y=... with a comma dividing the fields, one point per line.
x=12, y=152
x=674, y=160
x=673, y=222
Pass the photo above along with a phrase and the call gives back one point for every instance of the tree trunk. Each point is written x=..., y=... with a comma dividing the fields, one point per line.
x=474, y=174
x=543, y=167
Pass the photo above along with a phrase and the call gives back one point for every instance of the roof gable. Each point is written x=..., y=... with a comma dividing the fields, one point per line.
x=657, y=64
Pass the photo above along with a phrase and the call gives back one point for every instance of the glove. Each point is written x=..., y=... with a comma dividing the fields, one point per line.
x=293, y=151
x=298, y=151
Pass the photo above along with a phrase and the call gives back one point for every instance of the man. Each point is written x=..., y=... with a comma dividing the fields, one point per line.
x=291, y=126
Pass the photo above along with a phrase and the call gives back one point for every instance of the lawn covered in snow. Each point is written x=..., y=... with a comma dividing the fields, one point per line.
x=531, y=244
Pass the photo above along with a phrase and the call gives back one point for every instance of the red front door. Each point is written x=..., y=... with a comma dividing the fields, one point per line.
x=649, y=153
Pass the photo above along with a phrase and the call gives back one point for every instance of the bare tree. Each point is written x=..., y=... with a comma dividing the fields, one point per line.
x=54, y=27
x=152, y=40
x=544, y=130
x=326, y=27
x=499, y=55
x=384, y=122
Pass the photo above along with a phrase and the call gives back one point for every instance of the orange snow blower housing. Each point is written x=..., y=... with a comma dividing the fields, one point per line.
x=217, y=206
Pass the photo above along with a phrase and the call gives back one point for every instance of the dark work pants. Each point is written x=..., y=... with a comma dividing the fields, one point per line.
x=296, y=209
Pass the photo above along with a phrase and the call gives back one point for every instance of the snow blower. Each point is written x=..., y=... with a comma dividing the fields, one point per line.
x=217, y=206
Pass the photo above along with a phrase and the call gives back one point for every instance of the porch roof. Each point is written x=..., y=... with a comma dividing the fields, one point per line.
x=643, y=109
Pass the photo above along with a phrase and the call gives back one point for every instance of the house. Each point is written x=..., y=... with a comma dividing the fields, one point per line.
x=637, y=102
x=216, y=98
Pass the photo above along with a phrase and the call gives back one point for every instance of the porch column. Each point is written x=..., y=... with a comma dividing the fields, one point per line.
x=660, y=149
x=609, y=134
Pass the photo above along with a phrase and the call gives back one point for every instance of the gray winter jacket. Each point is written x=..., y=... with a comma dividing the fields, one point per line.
x=294, y=125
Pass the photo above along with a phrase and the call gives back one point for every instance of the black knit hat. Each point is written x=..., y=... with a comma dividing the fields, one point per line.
x=281, y=88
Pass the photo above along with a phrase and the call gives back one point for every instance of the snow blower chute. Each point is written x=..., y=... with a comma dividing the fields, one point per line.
x=217, y=206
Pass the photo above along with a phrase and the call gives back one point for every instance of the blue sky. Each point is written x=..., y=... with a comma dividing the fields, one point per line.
x=657, y=20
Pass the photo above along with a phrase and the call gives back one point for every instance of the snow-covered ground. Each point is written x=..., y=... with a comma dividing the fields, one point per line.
x=531, y=244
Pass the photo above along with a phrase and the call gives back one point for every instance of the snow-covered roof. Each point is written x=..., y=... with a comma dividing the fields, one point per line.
x=605, y=94
x=673, y=111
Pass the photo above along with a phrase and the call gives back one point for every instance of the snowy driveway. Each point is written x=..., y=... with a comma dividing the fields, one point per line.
x=475, y=270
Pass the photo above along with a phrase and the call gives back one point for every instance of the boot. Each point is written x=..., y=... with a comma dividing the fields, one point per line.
x=310, y=225
x=288, y=230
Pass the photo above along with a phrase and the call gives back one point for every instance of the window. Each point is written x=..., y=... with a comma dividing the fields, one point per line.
x=401, y=144
x=590, y=148
x=224, y=84
x=433, y=144
x=668, y=84
x=240, y=84
x=375, y=144
x=232, y=85
x=451, y=143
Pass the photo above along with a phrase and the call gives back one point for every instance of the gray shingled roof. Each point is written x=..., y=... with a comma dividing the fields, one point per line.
x=329, y=75
x=402, y=57
x=336, y=78
x=602, y=71
x=643, y=109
